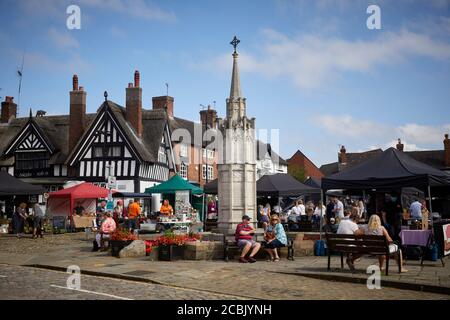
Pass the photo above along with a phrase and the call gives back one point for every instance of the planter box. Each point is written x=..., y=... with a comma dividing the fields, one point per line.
x=153, y=256
x=172, y=252
x=117, y=245
x=204, y=250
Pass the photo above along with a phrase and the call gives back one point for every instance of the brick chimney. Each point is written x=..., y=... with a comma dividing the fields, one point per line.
x=77, y=113
x=163, y=102
x=447, y=150
x=400, y=145
x=342, y=157
x=208, y=118
x=134, y=104
x=9, y=110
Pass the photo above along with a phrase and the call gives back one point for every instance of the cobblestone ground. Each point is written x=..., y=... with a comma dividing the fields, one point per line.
x=176, y=280
x=30, y=283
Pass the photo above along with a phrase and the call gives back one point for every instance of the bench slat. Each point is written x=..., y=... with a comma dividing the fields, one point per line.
x=359, y=242
x=364, y=249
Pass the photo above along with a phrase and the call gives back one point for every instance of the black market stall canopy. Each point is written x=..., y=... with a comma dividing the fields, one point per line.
x=314, y=182
x=282, y=185
x=11, y=186
x=174, y=184
x=275, y=185
x=211, y=187
x=392, y=169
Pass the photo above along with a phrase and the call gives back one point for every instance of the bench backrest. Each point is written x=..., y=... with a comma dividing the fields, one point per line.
x=357, y=243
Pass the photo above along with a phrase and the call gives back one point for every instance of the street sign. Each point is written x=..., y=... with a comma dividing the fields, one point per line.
x=110, y=205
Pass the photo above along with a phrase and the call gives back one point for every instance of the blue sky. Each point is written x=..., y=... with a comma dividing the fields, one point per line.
x=309, y=68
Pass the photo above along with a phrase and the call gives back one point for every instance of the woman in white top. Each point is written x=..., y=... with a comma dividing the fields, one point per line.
x=374, y=227
x=317, y=210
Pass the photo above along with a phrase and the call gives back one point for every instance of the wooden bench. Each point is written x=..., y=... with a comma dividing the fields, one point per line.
x=359, y=244
x=229, y=245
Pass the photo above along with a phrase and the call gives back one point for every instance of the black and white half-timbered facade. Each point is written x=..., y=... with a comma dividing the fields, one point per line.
x=129, y=143
x=110, y=147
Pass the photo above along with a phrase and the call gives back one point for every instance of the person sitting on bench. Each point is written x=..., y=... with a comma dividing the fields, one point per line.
x=275, y=237
x=244, y=239
x=107, y=228
x=374, y=227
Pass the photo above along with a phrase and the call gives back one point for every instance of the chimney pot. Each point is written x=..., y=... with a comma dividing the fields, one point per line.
x=400, y=145
x=137, y=78
x=9, y=99
x=446, y=151
x=81, y=88
x=133, y=104
x=75, y=82
x=342, y=157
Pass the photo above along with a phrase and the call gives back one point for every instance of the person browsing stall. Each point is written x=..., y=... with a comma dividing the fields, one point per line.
x=134, y=210
x=244, y=238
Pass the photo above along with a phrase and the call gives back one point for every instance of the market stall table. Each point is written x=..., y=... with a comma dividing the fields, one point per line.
x=82, y=222
x=184, y=224
x=415, y=237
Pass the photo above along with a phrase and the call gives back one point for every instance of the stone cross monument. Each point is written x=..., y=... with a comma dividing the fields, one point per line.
x=237, y=163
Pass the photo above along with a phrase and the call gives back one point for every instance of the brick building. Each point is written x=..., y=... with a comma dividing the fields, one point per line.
x=299, y=161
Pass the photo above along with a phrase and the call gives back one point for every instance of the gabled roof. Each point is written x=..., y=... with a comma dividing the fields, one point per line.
x=153, y=124
x=329, y=168
x=54, y=128
x=268, y=148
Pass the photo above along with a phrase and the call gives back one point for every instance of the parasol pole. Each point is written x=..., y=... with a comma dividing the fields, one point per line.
x=321, y=214
x=431, y=208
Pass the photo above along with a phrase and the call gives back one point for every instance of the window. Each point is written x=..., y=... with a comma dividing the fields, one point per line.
x=107, y=151
x=183, y=150
x=210, y=172
x=32, y=160
x=184, y=170
x=204, y=172
x=162, y=155
x=204, y=153
x=211, y=154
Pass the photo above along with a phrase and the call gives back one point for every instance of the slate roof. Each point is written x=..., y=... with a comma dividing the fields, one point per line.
x=273, y=155
x=434, y=158
x=56, y=129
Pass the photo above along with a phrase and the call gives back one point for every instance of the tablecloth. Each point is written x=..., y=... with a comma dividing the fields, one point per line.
x=415, y=237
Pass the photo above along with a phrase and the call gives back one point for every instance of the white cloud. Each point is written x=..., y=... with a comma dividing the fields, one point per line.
x=413, y=136
x=136, y=8
x=63, y=39
x=422, y=134
x=310, y=61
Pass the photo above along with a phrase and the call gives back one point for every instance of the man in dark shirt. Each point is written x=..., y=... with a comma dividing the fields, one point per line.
x=392, y=215
x=79, y=209
x=329, y=211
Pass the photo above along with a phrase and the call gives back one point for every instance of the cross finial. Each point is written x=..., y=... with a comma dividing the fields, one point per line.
x=235, y=42
x=105, y=94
